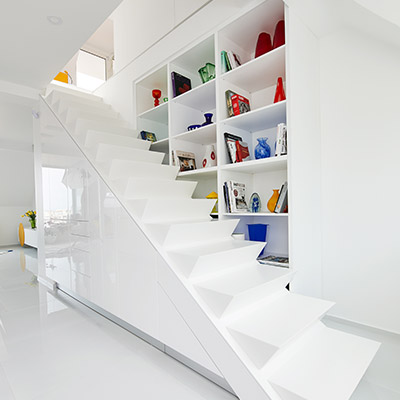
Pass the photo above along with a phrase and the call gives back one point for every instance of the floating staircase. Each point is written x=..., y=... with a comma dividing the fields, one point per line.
x=267, y=342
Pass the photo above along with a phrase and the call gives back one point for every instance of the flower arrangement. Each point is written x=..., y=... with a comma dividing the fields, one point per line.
x=32, y=218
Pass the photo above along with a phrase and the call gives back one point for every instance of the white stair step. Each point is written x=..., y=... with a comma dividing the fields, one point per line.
x=108, y=152
x=168, y=210
x=93, y=138
x=70, y=115
x=142, y=188
x=119, y=169
x=181, y=234
x=272, y=325
x=82, y=104
x=82, y=125
x=240, y=287
x=72, y=95
x=197, y=261
x=117, y=127
x=329, y=367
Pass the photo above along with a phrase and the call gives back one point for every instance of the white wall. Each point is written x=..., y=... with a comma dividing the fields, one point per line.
x=360, y=142
x=138, y=24
x=16, y=167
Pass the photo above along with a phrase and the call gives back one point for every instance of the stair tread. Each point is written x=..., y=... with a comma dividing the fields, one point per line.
x=216, y=247
x=244, y=278
x=93, y=138
x=278, y=320
x=328, y=367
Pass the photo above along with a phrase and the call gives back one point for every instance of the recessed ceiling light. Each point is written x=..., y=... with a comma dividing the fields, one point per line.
x=53, y=19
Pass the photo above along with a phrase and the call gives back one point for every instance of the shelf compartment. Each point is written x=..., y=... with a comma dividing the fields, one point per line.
x=260, y=72
x=160, y=146
x=263, y=165
x=157, y=114
x=259, y=119
x=200, y=173
x=204, y=135
x=200, y=98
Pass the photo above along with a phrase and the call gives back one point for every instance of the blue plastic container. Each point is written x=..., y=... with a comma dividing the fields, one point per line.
x=258, y=233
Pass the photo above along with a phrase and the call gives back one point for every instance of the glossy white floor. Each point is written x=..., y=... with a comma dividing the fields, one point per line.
x=52, y=347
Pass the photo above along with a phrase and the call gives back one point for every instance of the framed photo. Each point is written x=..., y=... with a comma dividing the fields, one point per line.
x=148, y=136
x=186, y=160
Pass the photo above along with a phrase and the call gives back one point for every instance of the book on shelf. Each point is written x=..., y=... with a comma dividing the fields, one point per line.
x=150, y=136
x=240, y=104
x=282, y=203
x=180, y=84
x=185, y=160
x=276, y=261
x=229, y=107
x=230, y=141
x=235, y=197
x=229, y=61
x=281, y=140
x=242, y=151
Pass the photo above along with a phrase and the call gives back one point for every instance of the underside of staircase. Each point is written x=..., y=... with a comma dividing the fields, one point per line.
x=267, y=342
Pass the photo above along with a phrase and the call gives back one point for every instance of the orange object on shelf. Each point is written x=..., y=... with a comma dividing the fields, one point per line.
x=62, y=77
x=273, y=200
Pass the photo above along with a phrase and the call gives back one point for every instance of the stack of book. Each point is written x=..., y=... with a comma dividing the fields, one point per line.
x=274, y=260
x=238, y=150
x=229, y=61
x=282, y=203
x=235, y=197
x=281, y=140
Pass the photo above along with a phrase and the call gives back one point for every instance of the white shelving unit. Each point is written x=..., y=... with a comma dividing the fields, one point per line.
x=255, y=79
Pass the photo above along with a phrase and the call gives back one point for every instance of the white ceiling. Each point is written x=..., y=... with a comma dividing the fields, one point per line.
x=33, y=51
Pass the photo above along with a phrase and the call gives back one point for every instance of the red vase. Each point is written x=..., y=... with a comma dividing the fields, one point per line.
x=264, y=44
x=279, y=92
x=156, y=93
x=279, y=35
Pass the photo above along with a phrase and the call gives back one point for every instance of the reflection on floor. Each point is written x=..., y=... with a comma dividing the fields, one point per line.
x=52, y=347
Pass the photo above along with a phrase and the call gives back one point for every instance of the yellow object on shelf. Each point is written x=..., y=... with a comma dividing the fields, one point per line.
x=21, y=234
x=62, y=77
x=213, y=196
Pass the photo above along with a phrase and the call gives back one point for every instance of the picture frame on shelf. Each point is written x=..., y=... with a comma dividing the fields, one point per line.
x=180, y=84
x=150, y=136
x=186, y=160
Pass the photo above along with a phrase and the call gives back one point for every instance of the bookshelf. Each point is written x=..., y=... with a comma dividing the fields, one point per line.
x=255, y=79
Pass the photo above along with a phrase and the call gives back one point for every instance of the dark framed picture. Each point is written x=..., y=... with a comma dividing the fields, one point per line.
x=180, y=84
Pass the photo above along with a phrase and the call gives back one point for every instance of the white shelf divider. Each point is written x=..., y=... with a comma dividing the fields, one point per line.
x=259, y=119
x=254, y=166
x=259, y=214
x=199, y=173
x=204, y=135
x=156, y=114
x=200, y=98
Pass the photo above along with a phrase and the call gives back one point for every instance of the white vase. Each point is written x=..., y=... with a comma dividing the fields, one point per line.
x=210, y=157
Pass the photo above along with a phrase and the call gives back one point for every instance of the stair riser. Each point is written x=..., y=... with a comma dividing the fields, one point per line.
x=88, y=106
x=145, y=189
x=72, y=115
x=81, y=126
x=182, y=235
x=107, y=153
x=79, y=96
x=94, y=138
x=187, y=211
x=121, y=170
x=193, y=267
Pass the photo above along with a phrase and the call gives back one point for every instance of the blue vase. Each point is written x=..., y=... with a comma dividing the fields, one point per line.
x=262, y=149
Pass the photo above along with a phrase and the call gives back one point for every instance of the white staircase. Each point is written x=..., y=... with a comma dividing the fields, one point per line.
x=267, y=342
